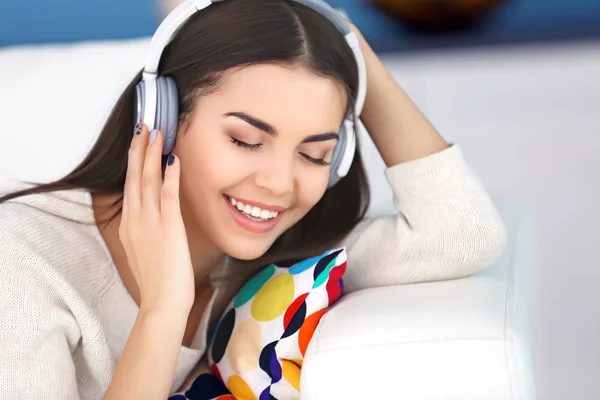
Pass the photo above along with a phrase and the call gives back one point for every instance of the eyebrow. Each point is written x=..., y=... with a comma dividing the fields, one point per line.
x=268, y=128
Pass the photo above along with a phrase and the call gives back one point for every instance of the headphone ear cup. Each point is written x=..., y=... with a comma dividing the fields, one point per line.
x=139, y=102
x=333, y=180
x=167, y=112
x=338, y=151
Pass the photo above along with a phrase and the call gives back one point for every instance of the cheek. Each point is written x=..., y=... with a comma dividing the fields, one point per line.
x=311, y=185
x=211, y=163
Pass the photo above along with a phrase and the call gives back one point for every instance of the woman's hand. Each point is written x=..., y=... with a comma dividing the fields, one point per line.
x=154, y=238
x=361, y=40
x=152, y=229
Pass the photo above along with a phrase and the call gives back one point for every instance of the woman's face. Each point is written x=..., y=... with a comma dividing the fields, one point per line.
x=255, y=155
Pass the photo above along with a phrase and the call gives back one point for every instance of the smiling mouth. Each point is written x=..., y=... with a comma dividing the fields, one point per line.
x=253, y=213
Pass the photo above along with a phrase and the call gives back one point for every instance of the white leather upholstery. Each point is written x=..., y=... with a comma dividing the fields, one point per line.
x=466, y=339
x=54, y=100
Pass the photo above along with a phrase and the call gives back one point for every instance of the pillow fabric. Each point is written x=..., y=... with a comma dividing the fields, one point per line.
x=258, y=345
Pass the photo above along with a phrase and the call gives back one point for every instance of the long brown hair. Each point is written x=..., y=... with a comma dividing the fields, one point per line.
x=230, y=34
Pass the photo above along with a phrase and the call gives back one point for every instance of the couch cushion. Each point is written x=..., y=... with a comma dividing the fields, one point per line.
x=54, y=101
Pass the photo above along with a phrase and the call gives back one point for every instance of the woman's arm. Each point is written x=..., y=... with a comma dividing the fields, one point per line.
x=447, y=226
x=398, y=128
x=148, y=364
x=38, y=335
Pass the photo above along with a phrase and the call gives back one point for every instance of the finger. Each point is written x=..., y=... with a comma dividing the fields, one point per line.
x=170, y=206
x=152, y=172
x=132, y=198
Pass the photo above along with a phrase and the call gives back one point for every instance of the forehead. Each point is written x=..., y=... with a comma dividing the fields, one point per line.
x=283, y=96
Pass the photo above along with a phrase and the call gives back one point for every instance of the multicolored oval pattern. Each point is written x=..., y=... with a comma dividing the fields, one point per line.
x=258, y=346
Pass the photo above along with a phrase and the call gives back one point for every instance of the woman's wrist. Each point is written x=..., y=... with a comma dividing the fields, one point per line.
x=171, y=312
x=149, y=361
x=172, y=321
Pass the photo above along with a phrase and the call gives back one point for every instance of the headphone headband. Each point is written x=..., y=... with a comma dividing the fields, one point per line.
x=169, y=27
x=149, y=99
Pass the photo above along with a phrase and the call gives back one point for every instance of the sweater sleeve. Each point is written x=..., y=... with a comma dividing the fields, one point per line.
x=446, y=227
x=37, y=334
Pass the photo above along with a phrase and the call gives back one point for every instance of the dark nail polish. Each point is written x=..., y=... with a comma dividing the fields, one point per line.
x=138, y=128
x=171, y=159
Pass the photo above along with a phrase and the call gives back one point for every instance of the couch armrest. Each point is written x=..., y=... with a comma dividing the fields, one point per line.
x=462, y=339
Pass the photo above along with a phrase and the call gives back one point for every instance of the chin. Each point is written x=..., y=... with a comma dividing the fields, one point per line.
x=246, y=250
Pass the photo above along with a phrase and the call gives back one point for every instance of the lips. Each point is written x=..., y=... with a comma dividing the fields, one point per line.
x=249, y=222
x=255, y=213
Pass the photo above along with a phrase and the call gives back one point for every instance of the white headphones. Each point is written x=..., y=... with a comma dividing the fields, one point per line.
x=156, y=99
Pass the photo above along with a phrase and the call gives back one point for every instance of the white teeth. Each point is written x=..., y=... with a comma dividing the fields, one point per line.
x=254, y=213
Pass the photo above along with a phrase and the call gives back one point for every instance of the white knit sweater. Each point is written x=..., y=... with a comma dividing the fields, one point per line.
x=66, y=316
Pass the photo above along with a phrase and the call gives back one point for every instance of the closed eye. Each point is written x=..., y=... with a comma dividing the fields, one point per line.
x=254, y=147
x=245, y=145
x=318, y=161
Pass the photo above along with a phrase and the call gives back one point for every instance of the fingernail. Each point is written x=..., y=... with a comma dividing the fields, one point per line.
x=138, y=128
x=153, y=134
x=171, y=159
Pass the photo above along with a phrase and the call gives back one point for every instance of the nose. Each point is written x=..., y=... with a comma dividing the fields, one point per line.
x=276, y=175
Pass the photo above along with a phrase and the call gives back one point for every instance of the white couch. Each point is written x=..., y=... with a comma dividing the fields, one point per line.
x=466, y=339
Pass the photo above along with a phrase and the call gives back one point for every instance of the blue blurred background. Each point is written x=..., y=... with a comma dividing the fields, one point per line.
x=514, y=21
x=43, y=21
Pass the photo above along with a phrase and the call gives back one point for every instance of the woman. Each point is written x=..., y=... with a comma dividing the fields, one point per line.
x=112, y=276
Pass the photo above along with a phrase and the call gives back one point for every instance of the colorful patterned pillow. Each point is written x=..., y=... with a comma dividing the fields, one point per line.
x=259, y=344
